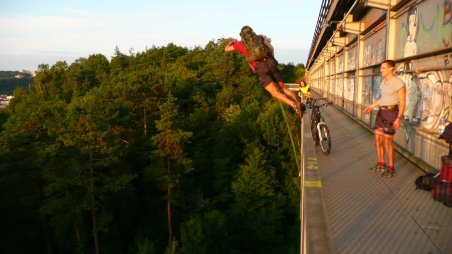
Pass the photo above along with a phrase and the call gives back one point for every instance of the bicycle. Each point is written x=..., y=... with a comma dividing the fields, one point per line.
x=319, y=129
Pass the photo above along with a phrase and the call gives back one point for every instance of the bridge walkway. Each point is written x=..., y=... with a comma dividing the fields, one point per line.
x=352, y=210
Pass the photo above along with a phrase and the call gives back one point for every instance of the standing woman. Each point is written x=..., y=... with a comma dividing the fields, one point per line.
x=389, y=117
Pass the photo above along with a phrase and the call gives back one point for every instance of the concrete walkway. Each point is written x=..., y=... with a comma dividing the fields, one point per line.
x=352, y=210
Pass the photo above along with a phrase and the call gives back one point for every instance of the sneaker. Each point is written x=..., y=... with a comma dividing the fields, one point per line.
x=389, y=172
x=378, y=168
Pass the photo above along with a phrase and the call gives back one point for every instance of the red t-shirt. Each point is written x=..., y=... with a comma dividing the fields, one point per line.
x=239, y=47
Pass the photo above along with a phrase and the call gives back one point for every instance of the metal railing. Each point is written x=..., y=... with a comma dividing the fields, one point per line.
x=293, y=86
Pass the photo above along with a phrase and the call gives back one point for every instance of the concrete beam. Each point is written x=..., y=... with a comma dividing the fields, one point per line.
x=339, y=41
x=353, y=27
x=379, y=4
x=322, y=59
x=328, y=53
x=332, y=48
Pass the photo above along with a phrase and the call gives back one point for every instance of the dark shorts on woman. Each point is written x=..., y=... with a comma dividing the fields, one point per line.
x=267, y=71
x=385, y=119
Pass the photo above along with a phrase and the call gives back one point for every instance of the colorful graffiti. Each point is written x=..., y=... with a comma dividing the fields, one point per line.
x=375, y=48
x=429, y=95
x=340, y=87
x=435, y=87
x=371, y=89
x=413, y=94
x=351, y=61
x=349, y=89
x=368, y=55
x=447, y=11
x=332, y=86
x=366, y=91
x=340, y=63
x=376, y=94
x=424, y=28
x=410, y=48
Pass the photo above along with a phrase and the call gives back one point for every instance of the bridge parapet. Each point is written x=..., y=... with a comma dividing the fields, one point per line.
x=293, y=86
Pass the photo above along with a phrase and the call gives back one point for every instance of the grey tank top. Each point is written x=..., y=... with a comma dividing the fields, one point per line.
x=390, y=91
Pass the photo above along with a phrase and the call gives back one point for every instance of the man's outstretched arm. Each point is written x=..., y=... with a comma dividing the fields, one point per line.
x=229, y=47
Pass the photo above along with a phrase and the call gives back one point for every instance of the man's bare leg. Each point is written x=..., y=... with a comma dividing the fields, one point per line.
x=289, y=93
x=275, y=93
x=389, y=150
x=379, y=145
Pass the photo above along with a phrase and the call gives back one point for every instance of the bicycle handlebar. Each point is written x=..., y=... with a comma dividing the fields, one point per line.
x=319, y=99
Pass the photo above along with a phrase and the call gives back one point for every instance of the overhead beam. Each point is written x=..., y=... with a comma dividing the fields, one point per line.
x=332, y=48
x=339, y=41
x=322, y=58
x=328, y=53
x=379, y=4
x=353, y=27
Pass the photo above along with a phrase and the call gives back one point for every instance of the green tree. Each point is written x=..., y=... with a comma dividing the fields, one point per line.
x=169, y=148
x=292, y=73
x=75, y=162
x=258, y=208
x=92, y=135
x=204, y=234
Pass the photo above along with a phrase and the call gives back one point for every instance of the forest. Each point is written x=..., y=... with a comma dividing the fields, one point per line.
x=170, y=150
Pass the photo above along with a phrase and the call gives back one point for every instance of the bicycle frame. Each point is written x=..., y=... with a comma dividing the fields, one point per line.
x=319, y=129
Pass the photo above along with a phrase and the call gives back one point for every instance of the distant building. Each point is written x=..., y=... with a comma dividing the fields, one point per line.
x=24, y=71
x=4, y=100
x=19, y=76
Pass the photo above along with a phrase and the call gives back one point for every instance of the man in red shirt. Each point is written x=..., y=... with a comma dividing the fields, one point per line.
x=268, y=73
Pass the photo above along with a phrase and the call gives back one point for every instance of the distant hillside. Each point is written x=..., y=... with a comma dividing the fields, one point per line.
x=9, y=81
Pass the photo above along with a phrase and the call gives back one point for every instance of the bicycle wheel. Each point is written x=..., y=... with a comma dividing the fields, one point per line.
x=325, y=139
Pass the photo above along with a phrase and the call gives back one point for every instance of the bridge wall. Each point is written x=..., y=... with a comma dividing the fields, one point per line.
x=418, y=36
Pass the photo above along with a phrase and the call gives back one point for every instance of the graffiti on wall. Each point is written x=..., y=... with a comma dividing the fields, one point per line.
x=340, y=87
x=340, y=63
x=349, y=89
x=351, y=59
x=375, y=48
x=424, y=28
x=376, y=94
x=435, y=98
x=429, y=95
x=410, y=48
x=412, y=109
x=366, y=91
x=371, y=89
x=332, y=86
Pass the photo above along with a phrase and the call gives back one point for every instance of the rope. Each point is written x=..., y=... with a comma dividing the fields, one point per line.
x=300, y=167
x=303, y=244
x=291, y=137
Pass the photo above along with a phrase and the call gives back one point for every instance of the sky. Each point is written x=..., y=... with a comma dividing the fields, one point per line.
x=43, y=32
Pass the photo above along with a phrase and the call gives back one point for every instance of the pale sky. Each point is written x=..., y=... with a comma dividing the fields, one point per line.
x=36, y=32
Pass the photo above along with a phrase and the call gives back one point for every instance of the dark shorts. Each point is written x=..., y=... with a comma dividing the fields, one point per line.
x=267, y=71
x=385, y=120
